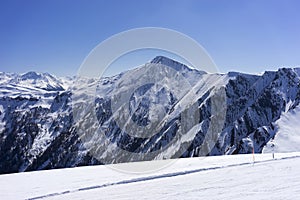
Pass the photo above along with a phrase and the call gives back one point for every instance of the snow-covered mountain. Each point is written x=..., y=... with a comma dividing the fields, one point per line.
x=33, y=80
x=160, y=110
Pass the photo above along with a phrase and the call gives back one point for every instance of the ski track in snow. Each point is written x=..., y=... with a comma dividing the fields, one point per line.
x=161, y=176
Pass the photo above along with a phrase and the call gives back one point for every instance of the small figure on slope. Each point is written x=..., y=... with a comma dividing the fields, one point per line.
x=273, y=148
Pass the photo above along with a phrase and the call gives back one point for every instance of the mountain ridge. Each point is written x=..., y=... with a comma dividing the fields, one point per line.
x=38, y=127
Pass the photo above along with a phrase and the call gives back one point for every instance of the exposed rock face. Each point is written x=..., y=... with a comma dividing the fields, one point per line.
x=43, y=125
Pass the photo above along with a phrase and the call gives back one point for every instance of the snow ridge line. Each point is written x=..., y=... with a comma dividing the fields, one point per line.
x=148, y=178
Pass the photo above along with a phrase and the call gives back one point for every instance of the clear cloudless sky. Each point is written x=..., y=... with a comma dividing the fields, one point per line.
x=240, y=35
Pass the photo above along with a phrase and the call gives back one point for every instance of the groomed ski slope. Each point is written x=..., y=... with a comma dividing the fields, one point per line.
x=219, y=177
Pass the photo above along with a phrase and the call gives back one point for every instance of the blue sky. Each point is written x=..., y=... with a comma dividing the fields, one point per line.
x=55, y=36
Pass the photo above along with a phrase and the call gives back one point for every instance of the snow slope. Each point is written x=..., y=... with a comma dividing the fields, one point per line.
x=287, y=138
x=33, y=80
x=218, y=177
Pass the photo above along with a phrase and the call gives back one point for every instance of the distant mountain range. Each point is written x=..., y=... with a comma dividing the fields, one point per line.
x=161, y=110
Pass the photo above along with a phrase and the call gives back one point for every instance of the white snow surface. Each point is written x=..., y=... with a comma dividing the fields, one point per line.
x=218, y=177
x=287, y=139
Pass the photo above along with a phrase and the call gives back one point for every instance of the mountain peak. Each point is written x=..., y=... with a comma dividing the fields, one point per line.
x=159, y=59
x=38, y=80
x=30, y=75
x=170, y=63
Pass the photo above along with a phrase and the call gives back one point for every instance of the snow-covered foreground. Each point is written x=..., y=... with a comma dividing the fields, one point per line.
x=219, y=177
